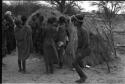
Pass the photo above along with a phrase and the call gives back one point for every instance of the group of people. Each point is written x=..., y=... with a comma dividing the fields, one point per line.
x=15, y=33
x=55, y=38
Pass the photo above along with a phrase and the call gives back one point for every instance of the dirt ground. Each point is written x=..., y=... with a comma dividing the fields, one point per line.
x=36, y=69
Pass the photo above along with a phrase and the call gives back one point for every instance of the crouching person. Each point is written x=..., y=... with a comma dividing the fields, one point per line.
x=49, y=46
x=83, y=49
x=23, y=37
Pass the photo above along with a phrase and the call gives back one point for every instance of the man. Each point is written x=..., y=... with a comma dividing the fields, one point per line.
x=83, y=49
x=62, y=38
x=40, y=35
x=23, y=35
x=49, y=46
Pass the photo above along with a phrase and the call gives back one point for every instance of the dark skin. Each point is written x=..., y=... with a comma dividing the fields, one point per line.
x=61, y=37
x=82, y=51
x=49, y=47
x=22, y=62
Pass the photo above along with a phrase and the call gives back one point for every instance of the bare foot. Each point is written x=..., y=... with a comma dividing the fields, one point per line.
x=25, y=72
x=81, y=80
x=20, y=70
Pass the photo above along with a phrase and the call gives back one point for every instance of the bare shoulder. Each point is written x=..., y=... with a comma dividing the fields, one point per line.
x=27, y=28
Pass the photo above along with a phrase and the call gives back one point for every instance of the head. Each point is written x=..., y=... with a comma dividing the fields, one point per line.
x=77, y=20
x=37, y=15
x=23, y=19
x=18, y=22
x=34, y=17
x=41, y=19
x=62, y=20
x=52, y=21
x=8, y=13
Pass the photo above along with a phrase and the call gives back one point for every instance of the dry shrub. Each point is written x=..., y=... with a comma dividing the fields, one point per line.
x=101, y=51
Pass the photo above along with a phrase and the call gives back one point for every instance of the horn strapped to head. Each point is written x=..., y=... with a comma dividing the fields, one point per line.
x=76, y=18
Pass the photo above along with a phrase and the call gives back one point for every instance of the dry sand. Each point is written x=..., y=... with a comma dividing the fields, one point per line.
x=36, y=70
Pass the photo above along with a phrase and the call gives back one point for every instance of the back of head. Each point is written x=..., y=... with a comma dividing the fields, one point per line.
x=77, y=19
x=51, y=20
x=62, y=20
x=23, y=18
x=18, y=22
x=37, y=14
x=41, y=18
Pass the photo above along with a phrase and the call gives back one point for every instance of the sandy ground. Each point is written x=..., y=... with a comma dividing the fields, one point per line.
x=36, y=70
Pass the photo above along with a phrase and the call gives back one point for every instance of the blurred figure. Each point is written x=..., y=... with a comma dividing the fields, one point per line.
x=49, y=46
x=11, y=43
x=23, y=35
x=83, y=49
x=62, y=38
x=4, y=40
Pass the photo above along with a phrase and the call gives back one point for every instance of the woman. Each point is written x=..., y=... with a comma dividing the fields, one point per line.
x=23, y=36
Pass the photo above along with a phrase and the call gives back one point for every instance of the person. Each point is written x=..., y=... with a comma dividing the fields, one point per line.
x=83, y=49
x=49, y=45
x=40, y=35
x=11, y=42
x=4, y=40
x=36, y=23
x=23, y=35
x=62, y=38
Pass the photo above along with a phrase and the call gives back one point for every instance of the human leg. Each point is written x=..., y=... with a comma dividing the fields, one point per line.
x=79, y=70
x=24, y=66
x=19, y=65
x=61, y=50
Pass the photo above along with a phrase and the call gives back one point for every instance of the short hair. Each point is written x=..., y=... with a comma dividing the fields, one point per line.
x=51, y=20
x=18, y=21
x=80, y=17
x=41, y=18
x=62, y=19
x=37, y=14
x=23, y=18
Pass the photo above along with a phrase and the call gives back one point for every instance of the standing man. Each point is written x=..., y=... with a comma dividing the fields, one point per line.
x=23, y=35
x=62, y=38
x=83, y=49
x=49, y=46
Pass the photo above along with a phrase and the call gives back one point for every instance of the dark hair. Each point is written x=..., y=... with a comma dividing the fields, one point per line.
x=62, y=20
x=80, y=17
x=41, y=18
x=76, y=18
x=24, y=19
x=37, y=14
x=51, y=20
x=17, y=21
